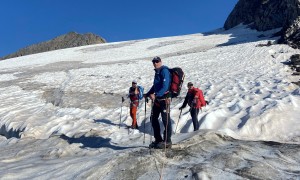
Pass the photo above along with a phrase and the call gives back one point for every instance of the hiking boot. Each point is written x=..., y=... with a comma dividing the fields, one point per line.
x=163, y=145
x=154, y=144
x=134, y=127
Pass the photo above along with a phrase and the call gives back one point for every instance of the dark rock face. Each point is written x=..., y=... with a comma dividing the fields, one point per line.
x=294, y=63
x=292, y=35
x=69, y=40
x=264, y=15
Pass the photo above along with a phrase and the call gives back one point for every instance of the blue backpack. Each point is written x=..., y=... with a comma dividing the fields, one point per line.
x=141, y=92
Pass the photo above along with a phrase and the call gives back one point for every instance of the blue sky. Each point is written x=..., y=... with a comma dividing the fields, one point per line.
x=26, y=22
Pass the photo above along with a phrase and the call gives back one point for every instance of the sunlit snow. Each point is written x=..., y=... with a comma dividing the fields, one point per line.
x=60, y=111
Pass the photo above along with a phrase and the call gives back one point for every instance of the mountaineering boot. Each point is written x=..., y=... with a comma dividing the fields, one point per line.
x=154, y=144
x=163, y=145
x=160, y=145
x=134, y=126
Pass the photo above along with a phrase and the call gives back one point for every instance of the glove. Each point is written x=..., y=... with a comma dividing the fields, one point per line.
x=152, y=97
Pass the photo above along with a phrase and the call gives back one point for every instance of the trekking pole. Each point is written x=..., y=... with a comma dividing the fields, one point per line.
x=151, y=124
x=121, y=111
x=178, y=121
x=146, y=100
x=166, y=137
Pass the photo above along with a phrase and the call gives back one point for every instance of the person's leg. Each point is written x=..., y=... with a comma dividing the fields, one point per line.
x=197, y=121
x=133, y=111
x=131, y=114
x=165, y=115
x=194, y=113
x=155, y=123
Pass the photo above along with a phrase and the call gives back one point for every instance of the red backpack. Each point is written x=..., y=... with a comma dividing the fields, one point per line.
x=201, y=99
x=177, y=78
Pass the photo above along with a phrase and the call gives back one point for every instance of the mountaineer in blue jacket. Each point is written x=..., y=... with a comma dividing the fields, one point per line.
x=159, y=93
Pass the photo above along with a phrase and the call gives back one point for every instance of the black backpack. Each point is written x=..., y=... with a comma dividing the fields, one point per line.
x=177, y=78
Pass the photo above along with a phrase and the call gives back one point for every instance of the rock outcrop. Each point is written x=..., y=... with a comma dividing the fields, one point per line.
x=265, y=15
x=69, y=40
x=294, y=63
x=292, y=35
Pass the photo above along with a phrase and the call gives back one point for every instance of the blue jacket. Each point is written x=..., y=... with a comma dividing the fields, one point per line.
x=161, y=83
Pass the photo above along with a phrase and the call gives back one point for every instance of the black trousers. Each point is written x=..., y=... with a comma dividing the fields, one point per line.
x=194, y=113
x=161, y=108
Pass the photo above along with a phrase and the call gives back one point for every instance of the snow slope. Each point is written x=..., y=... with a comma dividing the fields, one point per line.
x=60, y=111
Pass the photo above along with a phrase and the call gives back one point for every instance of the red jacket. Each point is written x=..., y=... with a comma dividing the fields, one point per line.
x=194, y=98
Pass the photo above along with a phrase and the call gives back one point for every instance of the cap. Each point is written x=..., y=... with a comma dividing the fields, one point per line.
x=156, y=58
x=190, y=84
x=134, y=81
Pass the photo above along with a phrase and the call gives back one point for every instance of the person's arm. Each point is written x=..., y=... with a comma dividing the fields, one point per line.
x=128, y=95
x=184, y=102
x=151, y=91
x=166, y=78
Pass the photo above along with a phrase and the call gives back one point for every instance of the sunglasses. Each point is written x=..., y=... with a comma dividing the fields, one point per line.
x=155, y=61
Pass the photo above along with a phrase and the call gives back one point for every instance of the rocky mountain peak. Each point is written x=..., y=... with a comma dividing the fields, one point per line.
x=71, y=39
x=264, y=15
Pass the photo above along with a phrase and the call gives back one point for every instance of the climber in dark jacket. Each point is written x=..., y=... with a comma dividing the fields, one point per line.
x=159, y=94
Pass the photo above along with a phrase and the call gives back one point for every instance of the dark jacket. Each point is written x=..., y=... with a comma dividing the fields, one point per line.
x=161, y=83
x=134, y=98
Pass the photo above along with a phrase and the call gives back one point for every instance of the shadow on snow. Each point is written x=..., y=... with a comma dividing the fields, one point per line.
x=239, y=37
x=105, y=121
x=93, y=142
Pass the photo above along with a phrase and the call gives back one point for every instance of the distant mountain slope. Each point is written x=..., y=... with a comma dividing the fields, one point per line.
x=72, y=39
x=265, y=15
